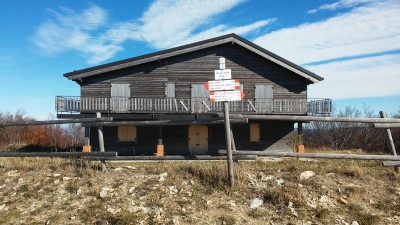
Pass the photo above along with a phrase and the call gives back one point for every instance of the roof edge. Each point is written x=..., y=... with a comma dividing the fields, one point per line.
x=91, y=71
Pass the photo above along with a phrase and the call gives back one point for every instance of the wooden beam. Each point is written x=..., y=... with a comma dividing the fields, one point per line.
x=48, y=122
x=386, y=125
x=388, y=135
x=391, y=163
x=315, y=155
x=101, y=142
x=228, y=137
x=170, y=157
x=162, y=122
x=314, y=118
x=58, y=154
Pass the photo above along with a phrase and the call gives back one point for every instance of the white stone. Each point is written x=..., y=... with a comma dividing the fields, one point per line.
x=12, y=173
x=131, y=190
x=306, y=175
x=290, y=204
x=255, y=203
x=173, y=190
x=163, y=174
x=294, y=212
x=66, y=178
x=354, y=223
x=56, y=174
x=161, y=179
x=2, y=207
x=113, y=211
x=280, y=182
x=118, y=169
x=130, y=167
x=105, y=191
x=326, y=201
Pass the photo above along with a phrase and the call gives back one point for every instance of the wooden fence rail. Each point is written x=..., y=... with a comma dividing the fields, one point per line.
x=58, y=154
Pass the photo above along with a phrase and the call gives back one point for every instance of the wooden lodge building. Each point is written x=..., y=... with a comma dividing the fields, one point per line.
x=169, y=85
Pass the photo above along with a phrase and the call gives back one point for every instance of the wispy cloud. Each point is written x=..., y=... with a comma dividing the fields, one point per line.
x=368, y=29
x=70, y=30
x=165, y=24
x=342, y=4
x=358, y=78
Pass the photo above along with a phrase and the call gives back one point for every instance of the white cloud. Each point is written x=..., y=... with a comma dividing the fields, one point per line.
x=342, y=4
x=166, y=23
x=70, y=31
x=370, y=28
x=358, y=78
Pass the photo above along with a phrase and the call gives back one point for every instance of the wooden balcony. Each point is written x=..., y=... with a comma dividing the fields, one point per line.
x=71, y=105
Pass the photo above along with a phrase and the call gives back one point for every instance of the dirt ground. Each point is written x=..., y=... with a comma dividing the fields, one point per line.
x=266, y=191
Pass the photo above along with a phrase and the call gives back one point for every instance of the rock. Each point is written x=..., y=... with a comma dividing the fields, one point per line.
x=136, y=209
x=113, y=211
x=12, y=173
x=118, y=169
x=56, y=174
x=267, y=178
x=326, y=201
x=280, y=182
x=66, y=178
x=105, y=192
x=330, y=174
x=290, y=204
x=130, y=167
x=344, y=201
x=294, y=212
x=131, y=190
x=173, y=190
x=79, y=191
x=306, y=175
x=162, y=176
x=255, y=203
x=355, y=223
x=2, y=207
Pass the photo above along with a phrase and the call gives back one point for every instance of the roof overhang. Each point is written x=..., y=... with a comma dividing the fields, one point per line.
x=231, y=38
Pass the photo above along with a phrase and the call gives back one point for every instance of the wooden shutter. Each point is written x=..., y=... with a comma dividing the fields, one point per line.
x=120, y=97
x=170, y=90
x=127, y=133
x=264, y=98
x=254, y=132
x=199, y=94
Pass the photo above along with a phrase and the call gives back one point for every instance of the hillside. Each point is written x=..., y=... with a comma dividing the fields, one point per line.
x=44, y=191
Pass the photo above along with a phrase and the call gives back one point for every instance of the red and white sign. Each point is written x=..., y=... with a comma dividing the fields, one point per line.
x=223, y=74
x=221, y=96
x=222, y=85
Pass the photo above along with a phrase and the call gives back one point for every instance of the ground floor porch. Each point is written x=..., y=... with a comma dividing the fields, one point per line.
x=193, y=139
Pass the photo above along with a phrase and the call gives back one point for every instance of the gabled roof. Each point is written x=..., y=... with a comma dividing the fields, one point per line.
x=229, y=38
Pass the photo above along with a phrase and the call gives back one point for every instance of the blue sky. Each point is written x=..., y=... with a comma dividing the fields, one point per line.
x=353, y=44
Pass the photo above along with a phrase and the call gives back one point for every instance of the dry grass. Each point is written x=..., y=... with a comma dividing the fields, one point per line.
x=202, y=193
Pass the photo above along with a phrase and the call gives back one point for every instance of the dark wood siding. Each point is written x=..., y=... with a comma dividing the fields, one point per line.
x=149, y=79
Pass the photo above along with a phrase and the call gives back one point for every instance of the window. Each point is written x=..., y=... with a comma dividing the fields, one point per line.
x=127, y=133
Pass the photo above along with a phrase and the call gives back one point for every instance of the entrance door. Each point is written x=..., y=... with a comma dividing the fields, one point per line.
x=264, y=98
x=198, y=139
x=120, y=97
x=199, y=94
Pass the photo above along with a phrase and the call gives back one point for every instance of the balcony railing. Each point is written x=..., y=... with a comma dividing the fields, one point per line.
x=189, y=105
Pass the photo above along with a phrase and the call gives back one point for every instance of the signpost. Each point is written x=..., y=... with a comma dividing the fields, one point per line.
x=222, y=85
x=223, y=74
x=224, y=89
x=221, y=96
